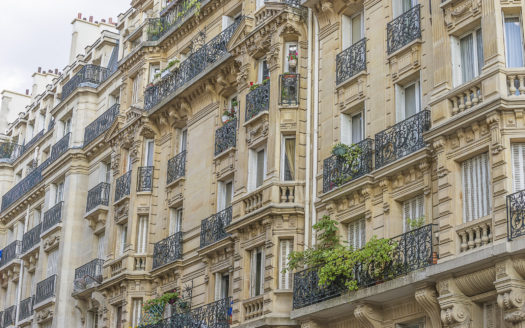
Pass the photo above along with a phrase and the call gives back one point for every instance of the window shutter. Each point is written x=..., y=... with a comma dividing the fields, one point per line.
x=285, y=249
x=518, y=168
x=142, y=235
x=102, y=246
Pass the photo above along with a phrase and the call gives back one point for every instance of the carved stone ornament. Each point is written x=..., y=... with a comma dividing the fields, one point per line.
x=368, y=316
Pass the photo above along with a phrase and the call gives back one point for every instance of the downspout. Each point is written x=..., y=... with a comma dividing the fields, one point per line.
x=308, y=133
x=315, y=124
x=21, y=278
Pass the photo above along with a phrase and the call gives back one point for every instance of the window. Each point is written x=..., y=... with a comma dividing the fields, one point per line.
x=106, y=171
x=412, y=209
x=136, y=314
x=222, y=285
x=148, y=152
x=127, y=164
x=29, y=132
x=142, y=235
x=257, y=272
x=351, y=128
x=518, y=166
x=513, y=42
x=257, y=169
x=401, y=6
x=467, y=56
x=123, y=234
x=291, y=49
x=118, y=317
x=476, y=187
x=407, y=100
x=492, y=315
x=41, y=121
x=52, y=263
x=285, y=278
x=175, y=220
x=59, y=194
x=357, y=234
x=37, y=216
x=153, y=70
x=67, y=126
x=288, y=159
x=225, y=195
x=352, y=29
x=101, y=246
x=92, y=319
x=263, y=72
x=135, y=91
x=183, y=140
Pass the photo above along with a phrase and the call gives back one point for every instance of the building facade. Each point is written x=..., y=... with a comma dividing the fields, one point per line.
x=188, y=147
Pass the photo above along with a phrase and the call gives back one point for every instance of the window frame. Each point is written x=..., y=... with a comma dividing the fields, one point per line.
x=505, y=16
x=401, y=99
x=457, y=63
x=252, y=169
x=283, y=157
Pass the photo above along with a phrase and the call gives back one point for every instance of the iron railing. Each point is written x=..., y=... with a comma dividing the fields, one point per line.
x=226, y=136
x=10, y=151
x=212, y=315
x=289, y=86
x=516, y=214
x=414, y=251
x=403, y=29
x=88, y=274
x=401, y=139
x=336, y=171
x=24, y=186
x=258, y=100
x=213, y=228
x=52, y=217
x=145, y=178
x=196, y=63
x=31, y=142
x=25, y=310
x=171, y=17
x=10, y=252
x=98, y=196
x=350, y=61
x=45, y=289
x=60, y=147
x=100, y=124
x=89, y=75
x=167, y=250
x=31, y=238
x=122, y=186
x=9, y=316
x=176, y=167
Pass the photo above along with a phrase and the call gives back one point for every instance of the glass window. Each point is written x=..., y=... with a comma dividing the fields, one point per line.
x=257, y=272
x=518, y=166
x=357, y=233
x=148, y=154
x=476, y=187
x=285, y=278
x=260, y=168
x=175, y=220
x=142, y=235
x=288, y=159
x=471, y=53
x=513, y=42
x=412, y=209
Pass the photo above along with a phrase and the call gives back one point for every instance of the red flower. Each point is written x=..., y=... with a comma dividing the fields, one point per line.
x=251, y=83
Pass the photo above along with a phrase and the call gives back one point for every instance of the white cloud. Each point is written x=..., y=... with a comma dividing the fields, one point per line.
x=38, y=33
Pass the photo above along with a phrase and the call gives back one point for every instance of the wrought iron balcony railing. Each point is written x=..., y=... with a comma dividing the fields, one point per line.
x=213, y=228
x=212, y=315
x=350, y=61
x=101, y=124
x=89, y=76
x=33, y=140
x=98, y=196
x=59, y=148
x=167, y=250
x=516, y=214
x=25, y=309
x=9, y=316
x=45, y=289
x=10, y=252
x=10, y=151
x=401, y=139
x=337, y=172
x=414, y=251
x=176, y=167
x=258, y=101
x=52, y=217
x=31, y=238
x=403, y=29
x=22, y=187
x=88, y=274
x=289, y=86
x=145, y=178
x=196, y=63
x=226, y=136
x=122, y=186
x=171, y=17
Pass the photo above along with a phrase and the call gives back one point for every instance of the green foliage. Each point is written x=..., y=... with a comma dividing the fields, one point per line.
x=187, y=5
x=335, y=261
x=350, y=155
x=415, y=222
x=156, y=28
x=160, y=302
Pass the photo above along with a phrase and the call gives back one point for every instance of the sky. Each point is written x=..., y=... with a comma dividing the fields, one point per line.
x=37, y=33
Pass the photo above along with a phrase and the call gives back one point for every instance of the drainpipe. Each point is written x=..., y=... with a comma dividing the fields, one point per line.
x=308, y=132
x=21, y=278
x=315, y=122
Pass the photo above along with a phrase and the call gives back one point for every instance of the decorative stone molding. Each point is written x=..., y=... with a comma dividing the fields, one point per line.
x=493, y=120
x=477, y=282
x=510, y=287
x=44, y=315
x=457, y=12
x=51, y=242
x=368, y=316
x=257, y=131
x=427, y=298
x=457, y=310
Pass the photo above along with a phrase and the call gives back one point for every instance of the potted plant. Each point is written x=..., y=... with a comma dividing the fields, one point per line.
x=164, y=72
x=225, y=116
x=292, y=59
x=235, y=104
x=156, y=78
x=173, y=64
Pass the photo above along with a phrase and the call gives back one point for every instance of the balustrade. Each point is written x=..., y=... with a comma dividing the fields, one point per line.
x=31, y=238
x=45, y=289
x=226, y=136
x=258, y=100
x=176, y=167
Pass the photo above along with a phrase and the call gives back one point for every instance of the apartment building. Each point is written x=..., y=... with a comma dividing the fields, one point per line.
x=189, y=148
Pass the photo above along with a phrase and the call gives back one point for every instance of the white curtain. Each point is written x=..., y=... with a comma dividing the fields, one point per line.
x=513, y=42
x=467, y=58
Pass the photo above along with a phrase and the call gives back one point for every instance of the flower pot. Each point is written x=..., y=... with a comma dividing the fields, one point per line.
x=292, y=63
x=434, y=258
x=225, y=118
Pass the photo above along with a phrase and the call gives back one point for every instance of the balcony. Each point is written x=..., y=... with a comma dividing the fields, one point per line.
x=414, y=251
x=98, y=196
x=289, y=86
x=145, y=178
x=170, y=18
x=350, y=61
x=45, y=289
x=59, y=148
x=516, y=215
x=337, y=172
x=52, y=217
x=31, y=238
x=31, y=142
x=403, y=29
x=258, y=101
x=205, y=57
x=167, y=250
x=402, y=139
x=9, y=316
x=176, y=167
x=24, y=186
x=213, y=228
x=88, y=76
x=25, y=310
x=10, y=253
x=122, y=186
x=226, y=136
x=10, y=151
x=88, y=275
x=101, y=124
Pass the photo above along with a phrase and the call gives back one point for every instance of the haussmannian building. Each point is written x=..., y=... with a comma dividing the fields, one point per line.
x=188, y=147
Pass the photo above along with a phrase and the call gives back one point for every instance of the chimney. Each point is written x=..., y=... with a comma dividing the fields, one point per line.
x=56, y=71
x=27, y=92
x=96, y=22
x=103, y=20
x=84, y=19
x=79, y=16
x=39, y=69
x=111, y=20
x=91, y=19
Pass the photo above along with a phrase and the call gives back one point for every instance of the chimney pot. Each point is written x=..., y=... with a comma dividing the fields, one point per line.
x=27, y=92
x=91, y=19
x=50, y=71
x=39, y=69
x=103, y=20
x=56, y=71
x=79, y=16
x=96, y=22
x=84, y=19
x=111, y=20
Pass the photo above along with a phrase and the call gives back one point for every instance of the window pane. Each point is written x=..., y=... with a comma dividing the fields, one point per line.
x=356, y=28
x=410, y=101
x=513, y=42
x=289, y=159
x=479, y=48
x=260, y=168
x=258, y=274
x=467, y=58
x=228, y=195
x=357, y=134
